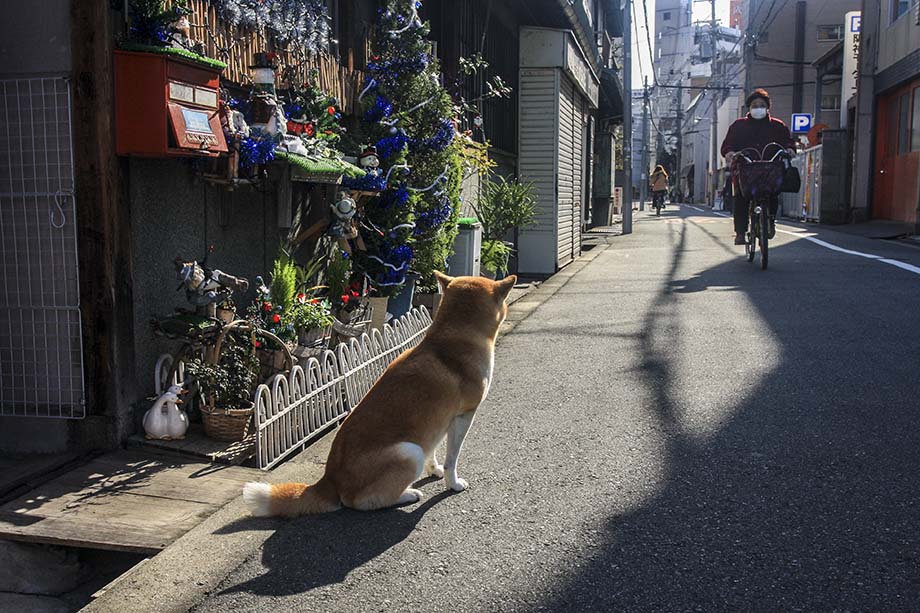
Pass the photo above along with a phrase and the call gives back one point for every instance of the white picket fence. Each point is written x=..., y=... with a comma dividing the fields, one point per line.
x=294, y=408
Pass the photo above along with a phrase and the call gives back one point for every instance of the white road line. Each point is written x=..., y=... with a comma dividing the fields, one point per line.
x=903, y=265
x=695, y=208
x=832, y=247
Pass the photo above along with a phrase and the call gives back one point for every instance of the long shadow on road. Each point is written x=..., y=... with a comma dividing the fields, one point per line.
x=314, y=551
x=807, y=498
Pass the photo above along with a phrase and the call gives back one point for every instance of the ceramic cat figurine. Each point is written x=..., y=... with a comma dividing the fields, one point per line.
x=165, y=420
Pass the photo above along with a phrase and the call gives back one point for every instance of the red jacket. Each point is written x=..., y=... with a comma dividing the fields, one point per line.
x=757, y=134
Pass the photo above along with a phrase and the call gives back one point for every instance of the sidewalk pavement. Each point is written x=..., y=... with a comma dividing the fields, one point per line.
x=192, y=567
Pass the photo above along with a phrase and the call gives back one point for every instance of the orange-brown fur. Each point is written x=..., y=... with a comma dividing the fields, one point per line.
x=428, y=392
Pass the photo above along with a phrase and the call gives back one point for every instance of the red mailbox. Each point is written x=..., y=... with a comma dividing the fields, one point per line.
x=166, y=106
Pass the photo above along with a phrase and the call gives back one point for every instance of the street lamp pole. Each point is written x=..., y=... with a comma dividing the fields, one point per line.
x=717, y=100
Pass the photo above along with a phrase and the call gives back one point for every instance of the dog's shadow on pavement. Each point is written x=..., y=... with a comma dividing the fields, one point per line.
x=317, y=550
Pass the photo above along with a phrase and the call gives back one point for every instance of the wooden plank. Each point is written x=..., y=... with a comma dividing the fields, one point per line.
x=98, y=530
x=198, y=446
x=17, y=471
x=125, y=501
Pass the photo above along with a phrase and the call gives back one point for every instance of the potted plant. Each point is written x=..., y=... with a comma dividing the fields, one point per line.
x=494, y=257
x=505, y=205
x=270, y=312
x=312, y=320
x=227, y=378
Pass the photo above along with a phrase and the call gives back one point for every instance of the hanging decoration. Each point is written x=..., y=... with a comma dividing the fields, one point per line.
x=305, y=23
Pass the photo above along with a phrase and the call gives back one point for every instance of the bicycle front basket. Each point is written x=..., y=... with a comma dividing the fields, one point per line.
x=760, y=178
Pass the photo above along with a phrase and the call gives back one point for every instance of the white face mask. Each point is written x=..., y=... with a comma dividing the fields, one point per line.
x=759, y=113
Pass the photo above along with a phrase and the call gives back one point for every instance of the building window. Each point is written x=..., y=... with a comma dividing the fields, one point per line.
x=830, y=102
x=900, y=7
x=666, y=16
x=915, y=120
x=903, y=123
x=830, y=33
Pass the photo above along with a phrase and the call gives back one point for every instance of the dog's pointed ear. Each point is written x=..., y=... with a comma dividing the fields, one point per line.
x=503, y=287
x=443, y=280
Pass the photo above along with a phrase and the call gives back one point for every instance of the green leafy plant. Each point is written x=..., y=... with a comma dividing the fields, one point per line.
x=505, y=205
x=230, y=382
x=284, y=282
x=494, y=256
x=338, y=273
x=307, y=314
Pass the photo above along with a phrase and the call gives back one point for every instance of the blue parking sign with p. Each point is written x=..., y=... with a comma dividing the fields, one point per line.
x=801, y=122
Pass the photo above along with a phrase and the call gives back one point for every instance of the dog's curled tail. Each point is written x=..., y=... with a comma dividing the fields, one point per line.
x=290, y=499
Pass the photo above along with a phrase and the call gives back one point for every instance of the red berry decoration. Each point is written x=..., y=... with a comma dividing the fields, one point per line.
x=331, y=110
x=276, y=318
x=267, y=306
x=346, y=298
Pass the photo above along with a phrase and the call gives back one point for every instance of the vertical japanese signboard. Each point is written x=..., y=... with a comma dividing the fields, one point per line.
x=850, y=81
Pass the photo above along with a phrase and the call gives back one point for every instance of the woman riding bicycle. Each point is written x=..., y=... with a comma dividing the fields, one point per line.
x=755, y=131
x=659, y=184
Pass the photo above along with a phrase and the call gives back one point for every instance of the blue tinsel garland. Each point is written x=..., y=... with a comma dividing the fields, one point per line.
x=398, y=197
x=381, y=109
x=389, y=146
x=256, y=151
x=434, y=217
x=368, y=183
x=440, y=141
x=390, y=70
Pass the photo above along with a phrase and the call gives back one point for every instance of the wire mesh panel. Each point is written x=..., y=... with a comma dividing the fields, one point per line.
x=41, y=361
x=294, y=408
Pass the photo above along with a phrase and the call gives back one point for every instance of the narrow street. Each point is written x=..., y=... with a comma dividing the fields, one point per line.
x=674, y=429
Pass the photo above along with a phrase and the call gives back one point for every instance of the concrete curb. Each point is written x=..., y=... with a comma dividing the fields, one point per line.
x=191, y=568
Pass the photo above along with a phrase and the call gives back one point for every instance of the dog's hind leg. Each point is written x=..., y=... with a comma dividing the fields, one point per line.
x=397, y=468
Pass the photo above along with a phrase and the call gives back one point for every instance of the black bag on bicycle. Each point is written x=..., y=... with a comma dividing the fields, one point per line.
x=792, y=180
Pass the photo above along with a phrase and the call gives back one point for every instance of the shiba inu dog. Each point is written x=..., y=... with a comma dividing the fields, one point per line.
x=388, y=441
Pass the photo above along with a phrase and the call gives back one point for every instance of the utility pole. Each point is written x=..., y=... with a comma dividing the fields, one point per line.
x=627, y=116
x=748, y=47
x=716, y=101
x=680, y=133
x=643, y=187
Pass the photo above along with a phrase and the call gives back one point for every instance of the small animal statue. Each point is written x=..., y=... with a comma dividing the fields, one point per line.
x=204, y=286
x=343, y=214
x=165, y=420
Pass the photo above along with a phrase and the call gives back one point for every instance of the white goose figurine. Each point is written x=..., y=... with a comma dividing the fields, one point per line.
x=165, y=420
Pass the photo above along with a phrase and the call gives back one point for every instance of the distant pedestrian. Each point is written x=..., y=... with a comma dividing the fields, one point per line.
x=659, y=184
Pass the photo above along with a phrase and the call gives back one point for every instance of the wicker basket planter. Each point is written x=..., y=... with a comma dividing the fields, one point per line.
x=234, y=423
x=227, y=424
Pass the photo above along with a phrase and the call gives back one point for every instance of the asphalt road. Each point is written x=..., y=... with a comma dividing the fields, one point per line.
x=675, y=429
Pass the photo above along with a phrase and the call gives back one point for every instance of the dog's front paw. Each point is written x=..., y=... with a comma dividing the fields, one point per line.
x=435, y=470
x=458, y=485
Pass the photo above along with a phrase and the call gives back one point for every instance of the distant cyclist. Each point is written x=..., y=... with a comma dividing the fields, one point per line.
x=659, y=184
x=754, y=131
